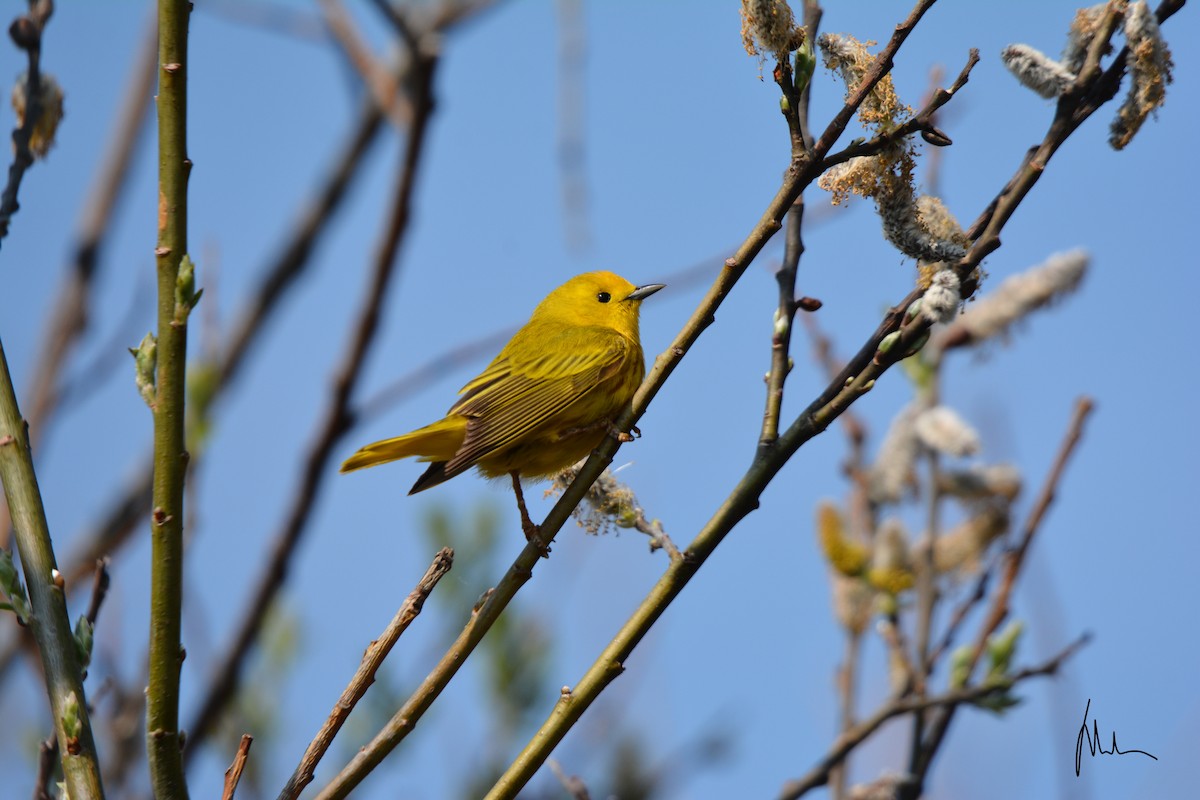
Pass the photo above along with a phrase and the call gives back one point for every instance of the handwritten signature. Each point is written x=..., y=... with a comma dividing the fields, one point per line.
x=1093, y=741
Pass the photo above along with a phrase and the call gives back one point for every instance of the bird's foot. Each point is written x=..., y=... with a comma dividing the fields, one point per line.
x=533, y=535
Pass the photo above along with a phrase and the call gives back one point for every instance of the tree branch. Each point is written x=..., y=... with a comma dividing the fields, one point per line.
x=372, y=659
x=175, y=296
x=48, y=619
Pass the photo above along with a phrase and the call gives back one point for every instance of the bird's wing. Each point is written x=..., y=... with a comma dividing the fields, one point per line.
x=518, y=392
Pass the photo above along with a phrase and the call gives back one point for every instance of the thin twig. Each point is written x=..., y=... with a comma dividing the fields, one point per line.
x=380, y=81
x=922, y=123
x=100, y=581
x=400, y=24
x=897, y=707
x=337, y=415
x=959, y=616
x=785, y=313
x=847, y=684
x=372, y=659
x=927, y=586
x=573, y=784
x=47, y=760
x=233, y=775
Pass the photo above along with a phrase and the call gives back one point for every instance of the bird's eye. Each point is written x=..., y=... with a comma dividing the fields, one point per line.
x=604, y=297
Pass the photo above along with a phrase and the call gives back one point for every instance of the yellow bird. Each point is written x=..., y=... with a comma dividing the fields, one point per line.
x=546, y=401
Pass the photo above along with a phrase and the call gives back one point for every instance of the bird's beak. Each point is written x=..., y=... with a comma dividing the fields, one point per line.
x=642, y=292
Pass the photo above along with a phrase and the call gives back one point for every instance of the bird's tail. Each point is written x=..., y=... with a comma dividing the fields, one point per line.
x=436, y=442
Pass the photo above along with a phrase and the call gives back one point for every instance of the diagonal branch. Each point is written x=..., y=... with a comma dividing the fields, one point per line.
x=365, y=675
x=48, y=621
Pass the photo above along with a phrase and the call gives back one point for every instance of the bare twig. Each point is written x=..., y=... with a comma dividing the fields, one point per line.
x=922, y=123
x=47, y=760
x=573, y=784
x=337, y=416
x=380, y=81
x=959, y=616
x=233, y=775
x=933, y=156
x=847, y=680
x=372, y=659
x=400, y=24
x=785, y=313
x=897, y=707
x=100, y=581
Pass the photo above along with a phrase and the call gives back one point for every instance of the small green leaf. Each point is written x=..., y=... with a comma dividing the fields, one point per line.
x=186, y=296
x=84, y=631
x=145, y=361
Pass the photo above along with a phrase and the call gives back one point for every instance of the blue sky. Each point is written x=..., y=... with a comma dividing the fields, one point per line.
x=684, y=147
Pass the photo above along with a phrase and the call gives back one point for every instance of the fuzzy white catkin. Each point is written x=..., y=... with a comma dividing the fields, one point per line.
x=888, y=476
x=1023, y=293
x=1037, y=70
x=941, y=299
x=940, y=428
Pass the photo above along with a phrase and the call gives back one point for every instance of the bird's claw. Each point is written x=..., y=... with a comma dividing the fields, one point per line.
x=533, y=535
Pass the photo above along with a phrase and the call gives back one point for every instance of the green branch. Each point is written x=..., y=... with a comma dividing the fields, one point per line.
x=49, y=622
x=176, y=296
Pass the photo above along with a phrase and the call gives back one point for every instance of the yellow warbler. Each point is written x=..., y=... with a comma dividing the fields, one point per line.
x=546, y=401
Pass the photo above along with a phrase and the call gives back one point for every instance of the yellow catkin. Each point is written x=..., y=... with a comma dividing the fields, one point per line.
x=844, y=555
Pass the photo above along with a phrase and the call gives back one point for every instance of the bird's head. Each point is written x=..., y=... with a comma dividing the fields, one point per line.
x=597, y=298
